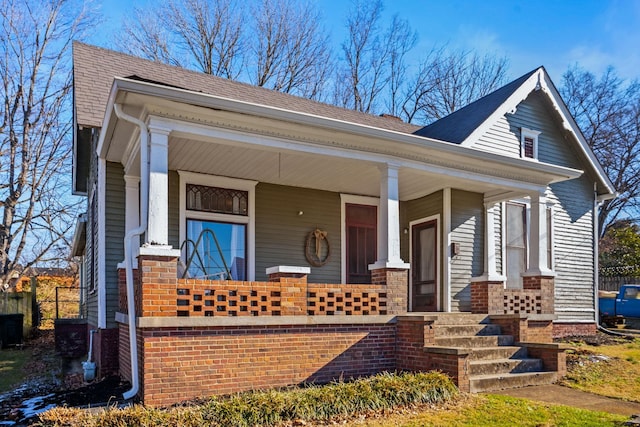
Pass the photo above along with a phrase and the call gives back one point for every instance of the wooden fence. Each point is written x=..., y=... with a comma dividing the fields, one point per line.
x=21, y=303
x=607, y=283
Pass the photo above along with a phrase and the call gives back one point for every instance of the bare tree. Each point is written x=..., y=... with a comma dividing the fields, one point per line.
x=400, y=40
x=145, y=36
x=35, y=122
x=201, y=34
x=291, y=51
x=607, y=111
x=364, y=76
x=449, y=80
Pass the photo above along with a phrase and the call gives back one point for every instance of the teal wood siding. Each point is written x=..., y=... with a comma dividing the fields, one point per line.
x=501, y=138
x=573, y=250
x=91, y=262
x=281, y=232
x=174, y=209
x=467, y=229
x=416, y=209
x=573, y=202
x=114, y=233
x=573, y=212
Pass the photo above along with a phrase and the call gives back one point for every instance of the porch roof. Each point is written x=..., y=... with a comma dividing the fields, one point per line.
x=257, y=138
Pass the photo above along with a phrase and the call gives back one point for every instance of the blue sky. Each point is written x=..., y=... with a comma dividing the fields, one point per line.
x=556, y=34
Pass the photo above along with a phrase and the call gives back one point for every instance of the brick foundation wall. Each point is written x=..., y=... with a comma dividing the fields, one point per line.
x=561, y=330
x=105, y=351
x=71, y=338
x=184, y=363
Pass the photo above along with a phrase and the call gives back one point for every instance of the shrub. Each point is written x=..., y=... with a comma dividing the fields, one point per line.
x=269, y=407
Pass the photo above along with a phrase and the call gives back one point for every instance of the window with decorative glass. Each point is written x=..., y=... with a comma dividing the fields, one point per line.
x=216, y=245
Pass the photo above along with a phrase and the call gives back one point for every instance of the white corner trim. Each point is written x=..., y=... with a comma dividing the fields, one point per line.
x=446, y=232
x=102, y=209
x=222, y=182
x=355, y=200
x=288, y=269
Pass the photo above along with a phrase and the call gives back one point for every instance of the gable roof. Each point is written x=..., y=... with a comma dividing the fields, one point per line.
x=466, y=125
x=94, y=70
x=457, y=126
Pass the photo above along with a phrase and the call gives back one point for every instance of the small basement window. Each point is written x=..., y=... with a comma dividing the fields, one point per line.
x=529, y=143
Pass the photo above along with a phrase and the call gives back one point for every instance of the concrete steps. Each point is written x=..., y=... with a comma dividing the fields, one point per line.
x=495, y=362
x=484, y=383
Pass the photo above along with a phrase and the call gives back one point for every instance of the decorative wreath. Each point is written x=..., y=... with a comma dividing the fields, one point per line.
x=314, y=258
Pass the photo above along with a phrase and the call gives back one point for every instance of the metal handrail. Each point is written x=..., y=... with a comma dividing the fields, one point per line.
x=196, y=253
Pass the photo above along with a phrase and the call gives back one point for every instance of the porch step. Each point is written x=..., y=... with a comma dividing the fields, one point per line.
x=481, y=329
x=458, y=319
x=504, y=366
x=498, y=353
x=476, y=341
x=492, y=382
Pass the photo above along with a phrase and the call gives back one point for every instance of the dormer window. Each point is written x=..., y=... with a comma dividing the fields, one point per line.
x=529, y=143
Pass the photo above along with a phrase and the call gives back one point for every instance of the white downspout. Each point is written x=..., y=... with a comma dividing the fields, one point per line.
x=596, y=249
x=128, y=239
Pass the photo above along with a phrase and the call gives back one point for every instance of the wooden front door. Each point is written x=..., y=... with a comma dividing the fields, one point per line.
x=424, y=267
x=361, y=226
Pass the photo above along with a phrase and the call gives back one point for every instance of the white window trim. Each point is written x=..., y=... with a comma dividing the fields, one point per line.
x=439, y=250
x=524, y=133
x=222, y=182
x=551, y=237
x=346, y=199
x=503, y=247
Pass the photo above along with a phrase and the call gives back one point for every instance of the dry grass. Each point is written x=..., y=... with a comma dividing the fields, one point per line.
x=617, y=375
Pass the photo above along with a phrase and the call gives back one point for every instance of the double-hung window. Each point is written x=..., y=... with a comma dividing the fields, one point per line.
x=517, y=241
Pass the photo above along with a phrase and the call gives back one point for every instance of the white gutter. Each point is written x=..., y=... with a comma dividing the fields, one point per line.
x=128, y=253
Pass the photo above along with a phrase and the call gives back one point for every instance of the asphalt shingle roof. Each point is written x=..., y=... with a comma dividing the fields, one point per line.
x=457, y=126
x=95, y=68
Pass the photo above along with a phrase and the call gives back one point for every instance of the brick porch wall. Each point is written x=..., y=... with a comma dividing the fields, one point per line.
x=184, y=363
x=535, y=297
x=396, y=282
x=414, y=336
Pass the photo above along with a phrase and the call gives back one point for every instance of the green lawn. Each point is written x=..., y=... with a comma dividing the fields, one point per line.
x=12, y=371
x=497, y=411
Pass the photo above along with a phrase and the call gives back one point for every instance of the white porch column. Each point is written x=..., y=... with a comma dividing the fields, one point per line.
x=157, y=231
x=538, y=241
x=389, y=221
x=132, y=202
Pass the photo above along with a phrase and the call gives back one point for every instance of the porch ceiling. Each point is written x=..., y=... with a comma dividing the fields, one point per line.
x=305, y=170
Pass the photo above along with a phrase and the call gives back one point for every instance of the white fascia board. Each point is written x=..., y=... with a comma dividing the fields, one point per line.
x=101, y=150
x=572, y=126
x=377, y=138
